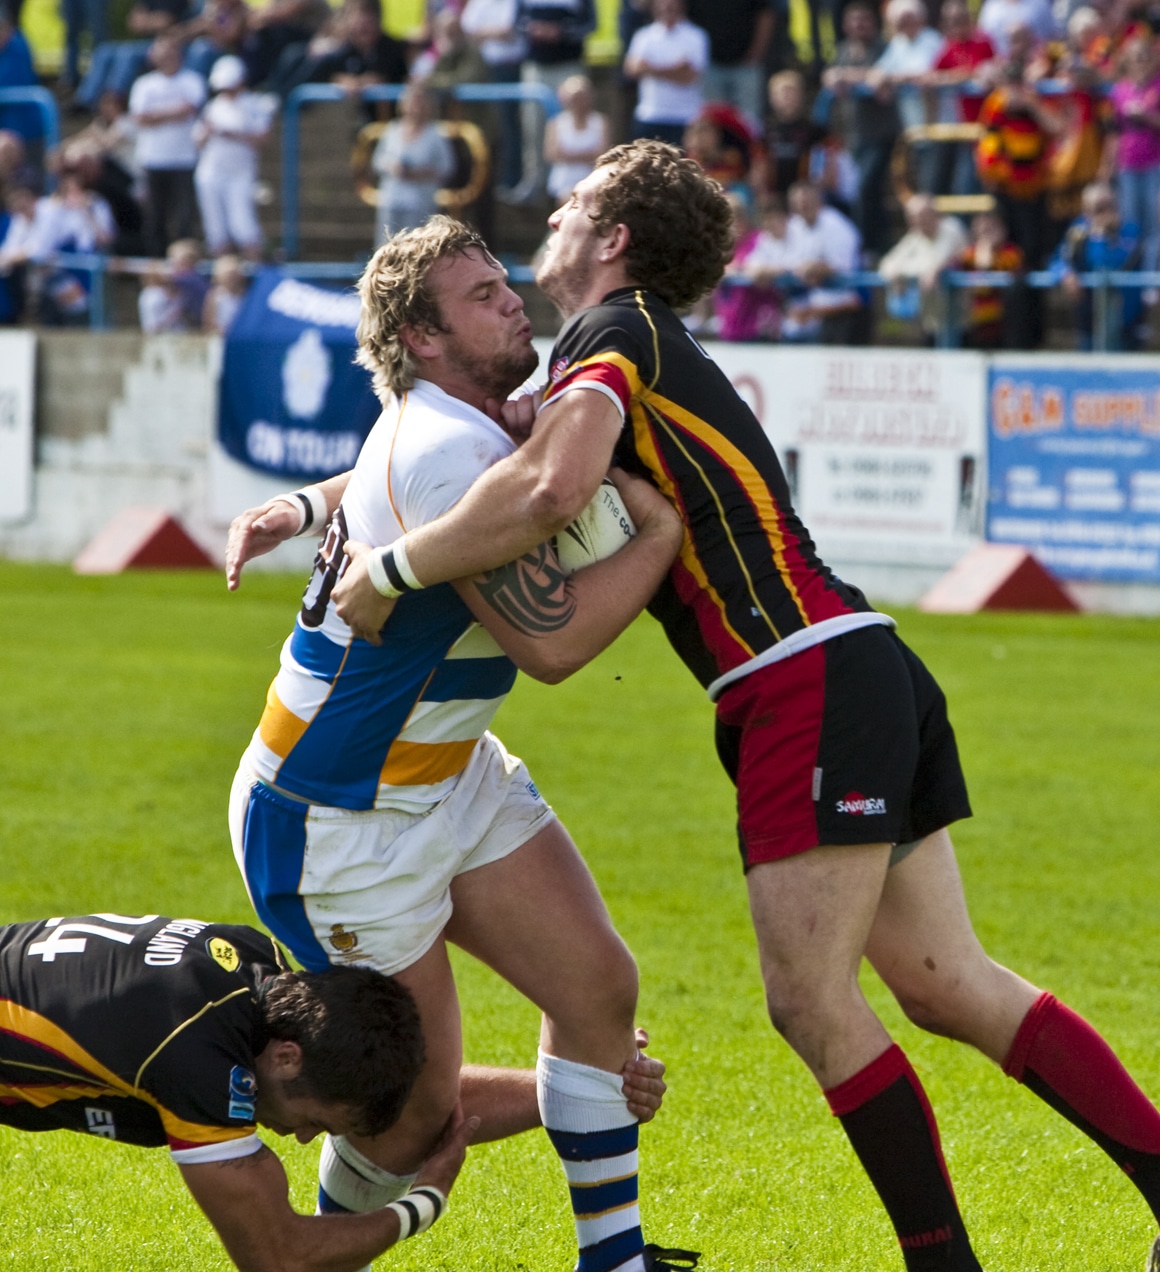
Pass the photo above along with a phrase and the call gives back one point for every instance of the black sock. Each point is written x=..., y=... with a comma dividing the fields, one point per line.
x=884, y=1111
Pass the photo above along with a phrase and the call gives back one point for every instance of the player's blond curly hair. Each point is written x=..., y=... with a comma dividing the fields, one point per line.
x=394, y=294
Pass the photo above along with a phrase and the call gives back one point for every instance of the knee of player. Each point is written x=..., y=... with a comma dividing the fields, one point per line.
x=931, y=1011
x=623, y=980
x=798, y=1009
x=611, y=990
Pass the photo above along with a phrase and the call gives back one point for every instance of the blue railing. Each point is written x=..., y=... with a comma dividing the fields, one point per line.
x=1105, y=286
x=826, y=97
x=291, y=133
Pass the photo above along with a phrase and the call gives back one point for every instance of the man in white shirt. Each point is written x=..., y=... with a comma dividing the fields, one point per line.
x=821, y=242
x=164, y=105
x=913, y=49
x=913, y=265
x=668, y=57
x=998, y=18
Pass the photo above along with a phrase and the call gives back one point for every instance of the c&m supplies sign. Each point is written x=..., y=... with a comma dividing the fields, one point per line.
x=1075, y=464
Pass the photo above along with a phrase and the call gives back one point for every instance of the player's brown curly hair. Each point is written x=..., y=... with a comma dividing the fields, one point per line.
x=362, y=1044
x=394, y=294
x=679, y=220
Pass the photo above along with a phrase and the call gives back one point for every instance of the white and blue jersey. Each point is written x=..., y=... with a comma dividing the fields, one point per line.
x=358, y=726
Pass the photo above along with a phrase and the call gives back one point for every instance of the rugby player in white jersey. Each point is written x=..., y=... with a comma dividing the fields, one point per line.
x=375, y=818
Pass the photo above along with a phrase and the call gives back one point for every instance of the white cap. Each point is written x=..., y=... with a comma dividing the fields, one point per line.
x=227, y=72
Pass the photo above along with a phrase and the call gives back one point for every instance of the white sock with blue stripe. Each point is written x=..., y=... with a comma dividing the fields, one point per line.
x=587, y=1119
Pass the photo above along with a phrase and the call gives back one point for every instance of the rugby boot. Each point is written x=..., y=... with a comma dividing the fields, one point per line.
x=661, y=1259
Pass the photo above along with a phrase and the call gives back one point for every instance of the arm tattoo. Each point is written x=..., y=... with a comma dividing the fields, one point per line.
x=531, y=593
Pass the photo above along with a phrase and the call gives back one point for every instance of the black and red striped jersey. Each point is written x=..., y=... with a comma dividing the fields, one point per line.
x=141, y=1029
x=748, y=576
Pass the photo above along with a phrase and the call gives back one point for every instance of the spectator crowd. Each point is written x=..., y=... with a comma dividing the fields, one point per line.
x=908, y=141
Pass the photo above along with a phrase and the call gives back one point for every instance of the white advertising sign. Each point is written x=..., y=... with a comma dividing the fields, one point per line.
x=17, y=367
x=884, y=449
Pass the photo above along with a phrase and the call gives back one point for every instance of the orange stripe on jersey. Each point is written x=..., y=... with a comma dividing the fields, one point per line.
x=425, y=763
x=41, y=1031
x=611, y=369
x=390, y=454
x=279, y=728
x=42, y=1095
x=755, y=487
x=647, y=450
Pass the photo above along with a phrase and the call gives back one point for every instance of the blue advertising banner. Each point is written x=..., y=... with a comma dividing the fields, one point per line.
x=1074, y=465
x=292, y=401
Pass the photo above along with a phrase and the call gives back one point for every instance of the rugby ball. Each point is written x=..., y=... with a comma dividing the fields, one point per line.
x=604, y=527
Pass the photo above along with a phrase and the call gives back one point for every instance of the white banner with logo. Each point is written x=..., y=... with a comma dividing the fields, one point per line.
x=17, y=371
x=884, y=449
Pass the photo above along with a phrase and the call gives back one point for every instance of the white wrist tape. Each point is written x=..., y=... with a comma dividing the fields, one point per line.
x=399, y=551
x=418, y=1210
x=310, y=504
x=377, y=573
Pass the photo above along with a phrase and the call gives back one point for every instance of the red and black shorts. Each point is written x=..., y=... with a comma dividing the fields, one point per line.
x=844, y=743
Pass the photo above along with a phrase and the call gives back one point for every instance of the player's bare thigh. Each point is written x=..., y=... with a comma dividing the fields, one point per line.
x=537, y=918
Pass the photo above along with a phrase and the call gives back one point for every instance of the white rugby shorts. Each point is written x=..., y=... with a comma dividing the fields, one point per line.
x=374, y=888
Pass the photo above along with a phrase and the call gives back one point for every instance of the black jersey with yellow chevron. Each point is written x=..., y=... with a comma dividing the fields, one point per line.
x=136, y=1028
x=748, y=574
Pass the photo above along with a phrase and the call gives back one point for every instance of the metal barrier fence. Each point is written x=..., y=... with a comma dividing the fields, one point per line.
x=540, y=94
x=1105, y=285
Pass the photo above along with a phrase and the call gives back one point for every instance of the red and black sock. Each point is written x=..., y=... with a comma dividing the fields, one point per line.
x=1060, y=1057
x=884, y=1111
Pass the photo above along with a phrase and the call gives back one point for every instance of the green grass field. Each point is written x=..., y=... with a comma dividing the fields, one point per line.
x=126, y=702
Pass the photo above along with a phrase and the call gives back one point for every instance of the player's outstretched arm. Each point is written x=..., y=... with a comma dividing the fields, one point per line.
x=551, y=624
x=247, y=1201
x=259, y=530
x=504, y=1100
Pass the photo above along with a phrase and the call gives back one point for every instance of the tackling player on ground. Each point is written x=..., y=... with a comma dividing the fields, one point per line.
x=834, y=733
x=155, y=1031
x=158, y=1031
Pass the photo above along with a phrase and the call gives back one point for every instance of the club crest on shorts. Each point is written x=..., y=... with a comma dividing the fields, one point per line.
x=342, y=940
x=860, y=805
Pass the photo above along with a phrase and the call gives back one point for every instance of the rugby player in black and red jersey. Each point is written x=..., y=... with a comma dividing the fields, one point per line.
x=833, y=731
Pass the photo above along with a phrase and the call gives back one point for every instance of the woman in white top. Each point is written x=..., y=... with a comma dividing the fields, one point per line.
x=230, y=132
x=575, y=138
x=413, y=160
x=669, y=58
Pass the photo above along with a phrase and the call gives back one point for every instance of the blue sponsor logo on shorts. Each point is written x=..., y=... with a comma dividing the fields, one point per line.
x=243, y=1093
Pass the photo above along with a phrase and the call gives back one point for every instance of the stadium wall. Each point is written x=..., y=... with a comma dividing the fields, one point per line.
x=886, y=449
